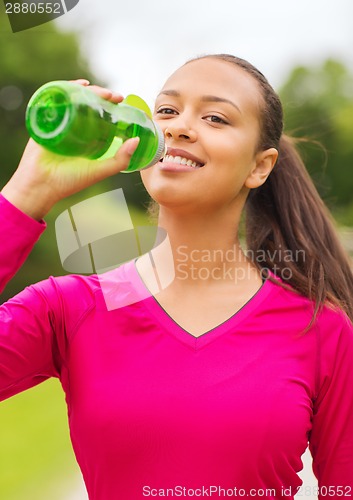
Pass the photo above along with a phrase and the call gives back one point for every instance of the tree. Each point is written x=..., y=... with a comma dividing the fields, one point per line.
x=27, y=60
x=318, y=104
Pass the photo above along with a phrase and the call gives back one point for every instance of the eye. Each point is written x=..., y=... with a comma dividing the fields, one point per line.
x=165, y=111
x=215, y=119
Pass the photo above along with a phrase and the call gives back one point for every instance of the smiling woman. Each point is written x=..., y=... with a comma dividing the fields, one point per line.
x=285, y=213
x=197, y=368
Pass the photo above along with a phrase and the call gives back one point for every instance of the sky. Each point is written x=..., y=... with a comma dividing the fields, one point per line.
x=134, y=46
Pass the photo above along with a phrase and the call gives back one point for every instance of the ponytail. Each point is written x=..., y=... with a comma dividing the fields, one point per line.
x=291, y=229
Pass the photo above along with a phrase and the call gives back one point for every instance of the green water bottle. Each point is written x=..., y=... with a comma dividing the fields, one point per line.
x=71, y=120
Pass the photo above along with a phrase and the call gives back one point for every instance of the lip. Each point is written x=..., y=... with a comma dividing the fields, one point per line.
x=184, y=154
x=173, y=167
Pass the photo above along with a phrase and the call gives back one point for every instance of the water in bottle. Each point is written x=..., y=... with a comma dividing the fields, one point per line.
x=71, y=120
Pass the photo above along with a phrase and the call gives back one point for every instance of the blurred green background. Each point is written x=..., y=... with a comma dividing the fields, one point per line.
x=35, y=452
x=36, y=460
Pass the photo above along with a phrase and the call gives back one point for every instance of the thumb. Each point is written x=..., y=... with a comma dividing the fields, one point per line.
x=128, y=148
x=121, y=159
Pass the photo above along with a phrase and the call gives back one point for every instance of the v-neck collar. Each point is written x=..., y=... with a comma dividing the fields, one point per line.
x=173, y=328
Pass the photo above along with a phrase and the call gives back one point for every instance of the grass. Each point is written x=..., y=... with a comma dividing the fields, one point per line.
x=37, y=461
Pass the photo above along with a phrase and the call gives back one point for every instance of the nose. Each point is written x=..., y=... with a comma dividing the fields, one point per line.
x=179, y=129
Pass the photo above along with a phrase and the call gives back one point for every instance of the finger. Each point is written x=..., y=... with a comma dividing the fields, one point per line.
x=81, y=81
x=106, y=93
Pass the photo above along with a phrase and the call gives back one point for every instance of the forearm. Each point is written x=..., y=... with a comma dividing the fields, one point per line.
x=19, y=233
x=33, y=200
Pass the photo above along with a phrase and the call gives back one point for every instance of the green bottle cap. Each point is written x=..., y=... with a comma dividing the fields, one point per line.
x=137, y=102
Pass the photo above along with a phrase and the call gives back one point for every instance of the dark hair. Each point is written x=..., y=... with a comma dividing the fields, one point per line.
x=286, y=217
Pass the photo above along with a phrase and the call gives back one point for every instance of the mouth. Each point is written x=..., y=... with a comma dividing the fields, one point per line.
x=183, y=158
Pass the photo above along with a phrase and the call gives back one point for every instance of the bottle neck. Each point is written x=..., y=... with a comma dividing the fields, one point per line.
x=161, y=148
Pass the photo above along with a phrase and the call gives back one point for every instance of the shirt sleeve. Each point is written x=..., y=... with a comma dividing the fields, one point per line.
x=331, y=440
x=29, y=352
x=19, y=233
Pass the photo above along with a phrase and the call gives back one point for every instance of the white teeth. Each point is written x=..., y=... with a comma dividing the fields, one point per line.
x=181, y=161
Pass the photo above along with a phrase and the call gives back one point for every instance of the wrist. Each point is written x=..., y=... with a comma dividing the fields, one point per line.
x=34, y=201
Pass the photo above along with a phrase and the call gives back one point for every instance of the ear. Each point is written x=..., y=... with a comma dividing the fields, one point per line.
x=264, y=163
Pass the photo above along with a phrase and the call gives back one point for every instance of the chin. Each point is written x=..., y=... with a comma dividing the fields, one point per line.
x=168, y=194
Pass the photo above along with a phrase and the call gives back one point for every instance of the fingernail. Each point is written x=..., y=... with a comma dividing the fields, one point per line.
x=132, y=146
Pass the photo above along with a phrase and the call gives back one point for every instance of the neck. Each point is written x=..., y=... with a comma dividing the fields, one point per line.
x=203, y=248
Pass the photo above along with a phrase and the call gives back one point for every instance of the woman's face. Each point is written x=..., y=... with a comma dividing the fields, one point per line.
x=209, y=113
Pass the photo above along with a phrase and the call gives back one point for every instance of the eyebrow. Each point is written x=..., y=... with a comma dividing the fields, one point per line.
x=205, y=98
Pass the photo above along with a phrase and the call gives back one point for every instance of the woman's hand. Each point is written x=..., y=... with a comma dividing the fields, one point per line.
x=44, y=178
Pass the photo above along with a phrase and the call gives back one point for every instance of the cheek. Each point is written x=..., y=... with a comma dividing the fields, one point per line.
x=234, y=155
x=230, y=171
x=232, y=161
x=227, y=148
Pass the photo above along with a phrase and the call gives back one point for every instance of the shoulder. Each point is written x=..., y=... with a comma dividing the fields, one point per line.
x=331, y=321
x=73, y=296
x=85, y=288
x=335, y=334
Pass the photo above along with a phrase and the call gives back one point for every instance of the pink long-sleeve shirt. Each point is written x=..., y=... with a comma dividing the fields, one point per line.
x=156, y=412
